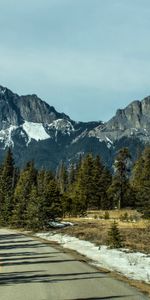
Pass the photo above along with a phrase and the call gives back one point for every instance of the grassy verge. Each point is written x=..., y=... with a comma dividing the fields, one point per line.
x=136, y=234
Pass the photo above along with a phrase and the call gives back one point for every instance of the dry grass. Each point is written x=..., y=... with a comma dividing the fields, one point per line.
x=115, y=214
x=136, y=234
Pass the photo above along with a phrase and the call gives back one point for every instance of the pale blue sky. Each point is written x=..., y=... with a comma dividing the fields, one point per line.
x=85, y=57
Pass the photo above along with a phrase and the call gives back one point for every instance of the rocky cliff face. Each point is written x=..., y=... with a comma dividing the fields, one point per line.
x=133, y=121
x=37, y=131
x=135, y=115
x=14, y=110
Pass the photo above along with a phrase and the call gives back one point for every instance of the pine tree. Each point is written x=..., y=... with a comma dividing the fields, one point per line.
x=7, y=182
x=87, y=180
x=141, y=182
x=88, y=191
x=54, y=207
x=62, y=178
x=22, y=194
x=98, y=184
x=119, y=191
x=72, y=174
x=33, y=210
x=101, y=180
x=67, y=204
x=84, y=187
x=115, y=239
x=49, y=198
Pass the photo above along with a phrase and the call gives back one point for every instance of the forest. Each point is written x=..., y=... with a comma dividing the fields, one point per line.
x=30, y=198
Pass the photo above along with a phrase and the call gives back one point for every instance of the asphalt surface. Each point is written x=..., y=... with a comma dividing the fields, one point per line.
x=32, y=270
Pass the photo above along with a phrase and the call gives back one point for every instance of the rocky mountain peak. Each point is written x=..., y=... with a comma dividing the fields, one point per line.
x=2, y=90
x=135, y=115
x=37, y=131
x=146, y=106
x=132, y=121
x=15, y=110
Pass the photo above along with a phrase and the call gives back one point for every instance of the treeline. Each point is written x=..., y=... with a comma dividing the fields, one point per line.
x=29, y=198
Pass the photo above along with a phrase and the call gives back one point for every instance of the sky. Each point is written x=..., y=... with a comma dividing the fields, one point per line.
x=86, y=58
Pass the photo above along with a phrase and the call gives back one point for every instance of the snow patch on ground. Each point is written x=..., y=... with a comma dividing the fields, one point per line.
x=35, y=131
x=56, y=224
x=132, y=265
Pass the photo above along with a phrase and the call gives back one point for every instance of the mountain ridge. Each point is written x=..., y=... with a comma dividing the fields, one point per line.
x=35, y=130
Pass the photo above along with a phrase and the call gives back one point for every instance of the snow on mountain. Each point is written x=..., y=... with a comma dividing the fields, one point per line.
x=6, y=136
x=2, y=90
x=81, y=136
x=27, y=118
x=62, y=125
x=35, y=131
x=100, y=134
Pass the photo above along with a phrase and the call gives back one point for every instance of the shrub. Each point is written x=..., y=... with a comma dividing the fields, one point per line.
x=124, y=217
x=106, y=215
x=115, y=239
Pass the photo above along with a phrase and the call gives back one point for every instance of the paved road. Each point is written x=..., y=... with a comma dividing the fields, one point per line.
x=31, y=270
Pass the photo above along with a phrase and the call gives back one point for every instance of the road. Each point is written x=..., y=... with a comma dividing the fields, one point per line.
x=33, y=270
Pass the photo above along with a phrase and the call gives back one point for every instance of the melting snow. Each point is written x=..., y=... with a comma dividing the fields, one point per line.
x=56, y=224
x=35, y=131
x=132, y=265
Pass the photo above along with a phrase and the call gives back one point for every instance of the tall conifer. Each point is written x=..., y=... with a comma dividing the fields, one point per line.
x=7, y=181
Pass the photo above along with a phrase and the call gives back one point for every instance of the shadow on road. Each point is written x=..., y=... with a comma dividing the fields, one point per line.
x=22, y=262
x=17, y=246
x=23, y=253
x=26, y=253
x=16, y=243
x=32, y=277
x=103, y=298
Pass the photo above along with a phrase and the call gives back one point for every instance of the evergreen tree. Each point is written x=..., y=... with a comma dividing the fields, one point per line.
x=50, y=206
x=83, y=192
x=7, y=184
x=88, y=191
x=72, y=174
x=102, y=180
x=67, y=204
x=141, y=182
x=119, y=191
x=22, y=192
x=33, y=210
x=87, y=180
x=62, y=178
x=115, y=239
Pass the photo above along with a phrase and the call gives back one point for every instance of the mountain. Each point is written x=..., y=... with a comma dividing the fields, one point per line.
x=133, y=121
x=35, y=130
